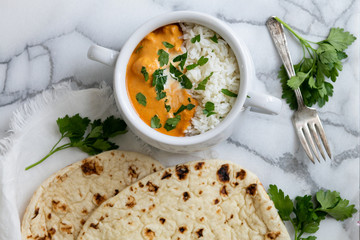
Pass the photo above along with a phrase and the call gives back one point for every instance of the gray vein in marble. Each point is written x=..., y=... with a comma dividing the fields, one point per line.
x=320, y=19
x=287, y=162
x=346, y=155
x=352, y=132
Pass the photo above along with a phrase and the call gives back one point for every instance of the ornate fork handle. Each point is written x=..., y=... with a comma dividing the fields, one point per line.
x=277, y=32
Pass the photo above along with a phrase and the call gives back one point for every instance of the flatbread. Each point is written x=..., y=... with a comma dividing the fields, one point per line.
x=62, y=204
x=210, y=199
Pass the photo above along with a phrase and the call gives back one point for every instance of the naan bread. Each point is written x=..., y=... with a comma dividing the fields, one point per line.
x=62, y=203
x=200, y=200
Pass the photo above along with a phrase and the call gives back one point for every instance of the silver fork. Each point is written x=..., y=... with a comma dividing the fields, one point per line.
x=306, y=120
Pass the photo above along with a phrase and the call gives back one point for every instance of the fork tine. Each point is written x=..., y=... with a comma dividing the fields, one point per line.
x=323, y=136
x=304, y=144
x=310, y=141
x=316, y=138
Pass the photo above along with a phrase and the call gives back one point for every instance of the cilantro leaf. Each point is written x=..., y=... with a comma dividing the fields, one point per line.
x=167, y=45
x=209, y=109
x=138, y=49
x=185, y=82
x=228, y=93
x=145, y=73
x=155, y=122
x=92, y=143
x=214, y=38
x=282, y=203
x=141, y=99
x=297, y=80
x=182, y=59
x=159, y=80
x=163, y=57
x=167, y=107
x=340, y=39
x=202, y=61
x=192, y=66
x=172, y=122
x=202, y=84
x=183, y=107
x=195, y=39
x=332, y=204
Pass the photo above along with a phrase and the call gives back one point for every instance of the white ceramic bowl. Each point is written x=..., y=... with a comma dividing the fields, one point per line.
x=260, y=102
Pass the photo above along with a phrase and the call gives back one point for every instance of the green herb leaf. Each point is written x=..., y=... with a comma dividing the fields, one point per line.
x=138, y=49
x=202, y=61
x=214, y=38
x=282, y=203
x=145, y=73
x=182, y=59
x=340, y=39
x=172, y=122
x=195, y=39
x=228, y=93
x=297, y=80
x=336, y=207
x=159, y=80
x=155, y=122
x=192, y=66
x=167, y=107
x=167, y=45
x=94, y=142
x=202, y=84
x=141, y=99
x=185, y=82
x=209, y=109
x=175, y=73
x=183, y=107
x=163, y=57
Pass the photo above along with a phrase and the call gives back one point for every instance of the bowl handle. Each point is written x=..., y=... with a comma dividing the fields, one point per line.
x=103, y=55
x=263, y=103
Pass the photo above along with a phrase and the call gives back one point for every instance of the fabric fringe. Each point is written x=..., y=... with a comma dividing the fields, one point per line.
x=38, y=102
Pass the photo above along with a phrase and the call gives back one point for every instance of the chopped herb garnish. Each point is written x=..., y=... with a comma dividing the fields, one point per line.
x=141, y=98
x=180, y=77
x=228, y=93
x=191, y=66
x=195, y=39
x=182, y=59
x=248, y=96
x=185, y=82
x=189, y=99
x=200, y=62
x=168, y=107
x=167, y=45
x=163, y=57
x=159, y=80
x=202, y=84
x=138, y=49
x=145, y=73
x=209, y=109
x=175, y=73
x=183, y=107
x=172, y=122
x=214, y=38
x=155, y=122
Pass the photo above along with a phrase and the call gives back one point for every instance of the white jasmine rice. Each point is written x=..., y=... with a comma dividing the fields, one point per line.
x=226, y=75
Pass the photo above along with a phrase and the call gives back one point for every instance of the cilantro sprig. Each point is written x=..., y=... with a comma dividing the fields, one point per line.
x=304, y=215
x=316, y=67
x=90, y=137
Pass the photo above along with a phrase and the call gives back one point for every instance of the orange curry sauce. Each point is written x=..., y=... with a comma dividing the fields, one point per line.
x=146, y=54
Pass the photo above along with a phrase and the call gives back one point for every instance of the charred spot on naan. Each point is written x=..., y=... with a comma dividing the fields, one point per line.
x=272, y=235
x=186, y=196
x=132, y=172
x=130, y=202
x=162, y=220
x=59, y=207
x=223, y=191
x=152, y=187
x=182, y=171
x=66, y=228
x=198, y=166
x=199, y=233
x=98, y=199
x=251, y=189
x=149, y=234
x=166, y=175
x=182, y=229
x=91, y=166
x=241, y=174
x=223, y=173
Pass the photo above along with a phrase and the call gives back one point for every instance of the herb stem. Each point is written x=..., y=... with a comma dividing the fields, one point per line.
x=68, y=145
x=301, y=39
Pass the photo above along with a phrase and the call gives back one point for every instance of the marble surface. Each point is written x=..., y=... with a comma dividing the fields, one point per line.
x=44, y=43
